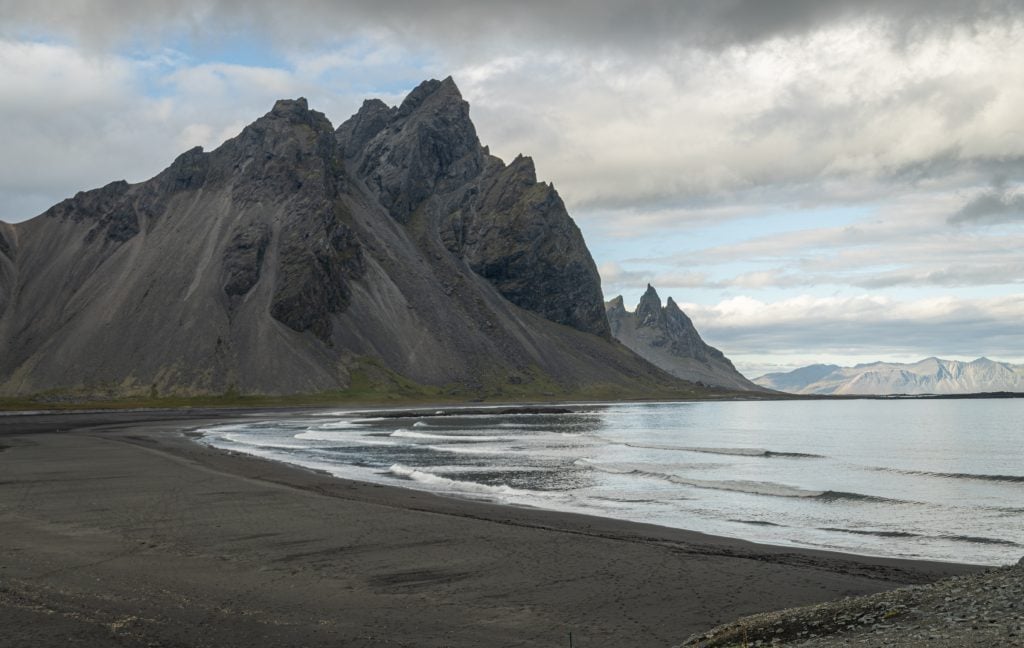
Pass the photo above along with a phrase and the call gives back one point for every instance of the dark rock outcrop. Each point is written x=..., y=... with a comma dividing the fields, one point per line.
x=295, y=254
x=424, y=163
x=314, y=273
x=243, y=258
x=373, y=117
x=428, y=148
x=7, y=271
x=109, y=210
x=666, y=337
x=6, y=246
x=188, y=171
x=519, y=237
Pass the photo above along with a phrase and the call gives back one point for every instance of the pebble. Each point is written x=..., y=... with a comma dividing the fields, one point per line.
x=980, y=610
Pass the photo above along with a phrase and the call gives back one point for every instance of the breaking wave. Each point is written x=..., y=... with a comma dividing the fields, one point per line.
x=907, y=534
x=339, y=437
x=446, y=483
x=758, y=522
x=980, y=540
x=771, y=489
x=738, y=452
x=252, y=440
x=339, y=425
x=468, y=449
x=1012, y=479
x=409, y=434
x=877, y=534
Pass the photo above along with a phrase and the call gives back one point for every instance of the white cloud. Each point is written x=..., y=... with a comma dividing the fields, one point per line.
x=806, y=329
x=63, y=119
x=840, y=109
x=72, y=119
x=907, y=242
x=679, y=110
x=613, y=277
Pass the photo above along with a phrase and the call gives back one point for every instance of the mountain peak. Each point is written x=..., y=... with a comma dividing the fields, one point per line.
x=676, y=316
x=431, y=91
x=372, y=108
x=615, y=304
x=373, y=117
x=448, y=86
x=648, y=311
x=425, y=148
x=288, y=113
x=666, y=337
x=285, y=107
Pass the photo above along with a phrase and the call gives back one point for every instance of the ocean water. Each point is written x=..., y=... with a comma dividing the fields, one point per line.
x=936, y=479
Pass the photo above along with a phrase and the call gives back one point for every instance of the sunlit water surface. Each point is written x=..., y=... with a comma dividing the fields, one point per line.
x=937, y=479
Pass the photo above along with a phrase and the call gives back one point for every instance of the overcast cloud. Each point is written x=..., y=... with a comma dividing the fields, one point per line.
x=587, y=23
x=764, y=337
x=994, y=206
x=764, y=150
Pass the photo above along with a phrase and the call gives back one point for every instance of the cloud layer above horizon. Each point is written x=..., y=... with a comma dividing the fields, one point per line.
x=796, y=156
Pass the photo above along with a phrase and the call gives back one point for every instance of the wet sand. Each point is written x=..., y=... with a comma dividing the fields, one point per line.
x=117, y=530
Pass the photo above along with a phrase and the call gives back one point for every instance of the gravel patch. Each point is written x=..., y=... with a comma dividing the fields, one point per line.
x=983, y=609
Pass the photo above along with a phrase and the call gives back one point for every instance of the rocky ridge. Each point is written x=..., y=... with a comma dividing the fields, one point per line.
x=667, y=338
x=297, y=258
x=979, y=610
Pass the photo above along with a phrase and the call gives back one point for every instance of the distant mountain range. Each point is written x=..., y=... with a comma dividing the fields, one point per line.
x=929, y=376
x=667, y=338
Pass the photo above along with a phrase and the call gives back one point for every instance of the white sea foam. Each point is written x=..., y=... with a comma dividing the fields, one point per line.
x=346, y=438
x=339, y=425
x=220, y=430
x=523, y=425
x=445, y=483
x=409, y=434
x=322, y=435
x=468, y=449
x=255, y=440
x=450, y=469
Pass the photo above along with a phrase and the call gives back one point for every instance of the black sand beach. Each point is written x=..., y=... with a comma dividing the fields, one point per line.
x=117, y=530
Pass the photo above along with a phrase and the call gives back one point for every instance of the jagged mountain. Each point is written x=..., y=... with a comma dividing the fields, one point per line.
x=929, y=376
x=295, y=255
x=666, y=337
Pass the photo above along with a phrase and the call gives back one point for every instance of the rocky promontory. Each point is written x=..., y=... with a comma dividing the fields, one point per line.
x=300, y=258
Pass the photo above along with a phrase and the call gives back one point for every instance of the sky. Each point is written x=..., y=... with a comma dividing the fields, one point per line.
x=811, y=180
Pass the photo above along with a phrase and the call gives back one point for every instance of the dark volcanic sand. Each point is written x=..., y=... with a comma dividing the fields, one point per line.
x=116, y=530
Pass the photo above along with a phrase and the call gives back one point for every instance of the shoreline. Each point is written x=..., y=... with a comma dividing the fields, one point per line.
x=407, y=483
x=24, y=406
x=160, y=520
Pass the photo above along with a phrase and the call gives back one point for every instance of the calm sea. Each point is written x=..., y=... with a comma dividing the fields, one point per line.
x=937, y=479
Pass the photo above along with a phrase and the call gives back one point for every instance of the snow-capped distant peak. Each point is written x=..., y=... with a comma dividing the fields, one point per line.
x=929, y=376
